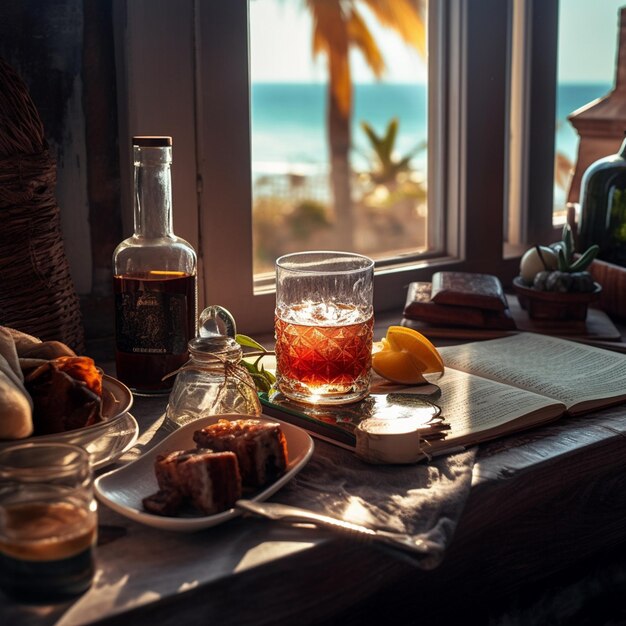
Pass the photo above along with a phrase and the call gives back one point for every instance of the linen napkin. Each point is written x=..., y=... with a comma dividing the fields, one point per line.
x=424, y=500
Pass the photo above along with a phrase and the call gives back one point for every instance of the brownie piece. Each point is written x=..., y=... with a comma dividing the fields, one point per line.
x=260, y=446
x=209, y=481
x=164, y=502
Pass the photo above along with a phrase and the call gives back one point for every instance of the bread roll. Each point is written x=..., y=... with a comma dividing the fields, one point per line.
x=30, y=364
x=22, y=340
x=46, y=350
x=18, y=381
x=9, y=352
x=16, y=421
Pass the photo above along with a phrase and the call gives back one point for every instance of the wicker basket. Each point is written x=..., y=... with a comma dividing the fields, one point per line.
x=37, y=294
x=553, y=305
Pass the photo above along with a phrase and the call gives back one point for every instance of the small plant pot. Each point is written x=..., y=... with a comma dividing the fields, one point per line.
x=552, y=305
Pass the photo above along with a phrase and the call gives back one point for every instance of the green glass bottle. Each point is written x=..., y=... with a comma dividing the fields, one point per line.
x=603, y=208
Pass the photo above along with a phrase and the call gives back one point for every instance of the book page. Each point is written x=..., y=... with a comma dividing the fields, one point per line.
x=472, y=404
x=563, y=370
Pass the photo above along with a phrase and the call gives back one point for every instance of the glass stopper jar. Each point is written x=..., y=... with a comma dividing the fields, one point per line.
x=212, y=382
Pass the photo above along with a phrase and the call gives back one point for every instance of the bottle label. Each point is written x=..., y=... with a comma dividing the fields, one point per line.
x=151, y=322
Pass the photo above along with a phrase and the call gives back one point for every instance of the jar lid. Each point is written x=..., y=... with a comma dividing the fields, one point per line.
x=217, y=344
x=215, y=320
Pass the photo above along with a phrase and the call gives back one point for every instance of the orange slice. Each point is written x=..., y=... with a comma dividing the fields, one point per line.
x=404, y=356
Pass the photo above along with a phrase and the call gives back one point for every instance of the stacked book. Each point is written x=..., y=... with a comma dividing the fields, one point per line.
x=460, y=299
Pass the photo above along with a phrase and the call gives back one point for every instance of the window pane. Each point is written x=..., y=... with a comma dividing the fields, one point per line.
x=587, y=52
x=338, y=163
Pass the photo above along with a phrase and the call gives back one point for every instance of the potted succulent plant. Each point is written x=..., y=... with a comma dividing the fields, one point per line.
x=554, y=282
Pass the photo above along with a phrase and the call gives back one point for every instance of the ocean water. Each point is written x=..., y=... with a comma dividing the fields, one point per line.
x=289, y=127
x=570, y=97
x=289, y=124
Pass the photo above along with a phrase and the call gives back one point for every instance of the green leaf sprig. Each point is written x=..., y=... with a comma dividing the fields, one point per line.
x=263, y=379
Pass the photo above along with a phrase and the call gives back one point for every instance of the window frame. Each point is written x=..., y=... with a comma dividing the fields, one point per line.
x=532, y=124
x=204, y=105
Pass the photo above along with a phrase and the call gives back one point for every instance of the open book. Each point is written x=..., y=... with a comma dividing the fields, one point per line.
x=493, y=388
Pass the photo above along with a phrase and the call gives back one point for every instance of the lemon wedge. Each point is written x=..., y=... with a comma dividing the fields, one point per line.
x=404, y=356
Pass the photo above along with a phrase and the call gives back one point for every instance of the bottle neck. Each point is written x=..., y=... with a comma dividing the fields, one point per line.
x=153, y=191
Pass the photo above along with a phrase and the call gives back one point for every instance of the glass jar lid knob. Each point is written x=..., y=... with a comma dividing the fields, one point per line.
x=216, y=321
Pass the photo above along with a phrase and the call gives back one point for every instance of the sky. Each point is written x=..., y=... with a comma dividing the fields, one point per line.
x=588, y=34
x=281, y=49
x=280, y=44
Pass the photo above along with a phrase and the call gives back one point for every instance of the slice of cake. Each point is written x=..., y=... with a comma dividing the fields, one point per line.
x=260, y=446
x=209, y=481
x=164, y=502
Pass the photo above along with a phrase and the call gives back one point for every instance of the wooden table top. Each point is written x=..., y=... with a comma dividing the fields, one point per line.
x=540, y=502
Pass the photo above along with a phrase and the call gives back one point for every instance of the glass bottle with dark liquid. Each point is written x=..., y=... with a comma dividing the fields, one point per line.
x=155, y=281
x=603, y=208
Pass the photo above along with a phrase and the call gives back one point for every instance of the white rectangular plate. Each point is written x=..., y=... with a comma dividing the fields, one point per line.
x=123, y=489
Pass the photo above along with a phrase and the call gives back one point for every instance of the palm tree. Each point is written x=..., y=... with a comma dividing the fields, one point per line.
x=386, y=166
x=337, y=26
x=563, y=170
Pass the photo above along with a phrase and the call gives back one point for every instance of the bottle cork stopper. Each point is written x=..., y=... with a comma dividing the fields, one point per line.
x=152, y=141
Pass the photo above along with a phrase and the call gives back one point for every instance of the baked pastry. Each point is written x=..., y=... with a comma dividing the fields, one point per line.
x=66, y=394
x=44, y=387
x=260, y=446
x=46, y=350
x=209, y=481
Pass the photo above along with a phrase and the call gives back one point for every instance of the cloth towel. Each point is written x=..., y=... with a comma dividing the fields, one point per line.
x=424, y=500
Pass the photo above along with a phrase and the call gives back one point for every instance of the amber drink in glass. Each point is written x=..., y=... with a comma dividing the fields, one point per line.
x=324, y=323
